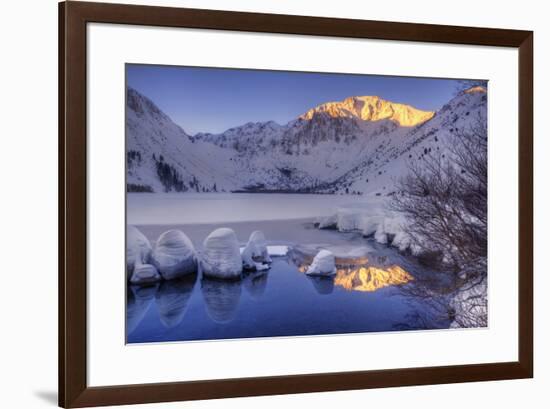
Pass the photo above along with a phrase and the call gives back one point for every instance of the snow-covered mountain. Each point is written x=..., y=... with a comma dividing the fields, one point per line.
x=371, y=108
x=358, y=145
x=162, y=157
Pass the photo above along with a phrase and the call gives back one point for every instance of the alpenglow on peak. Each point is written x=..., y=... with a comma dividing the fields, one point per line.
x=371, y=108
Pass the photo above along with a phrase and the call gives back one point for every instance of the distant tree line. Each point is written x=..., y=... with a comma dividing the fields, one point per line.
x=169, y=176
x=137, y=188
x=132, y=157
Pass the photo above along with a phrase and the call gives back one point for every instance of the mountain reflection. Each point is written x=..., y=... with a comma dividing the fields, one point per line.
x=172, y=299
x=221, y=298
x=370, y=278
x=354, y=274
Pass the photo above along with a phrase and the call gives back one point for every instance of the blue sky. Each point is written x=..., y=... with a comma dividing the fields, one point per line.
x=215, y=99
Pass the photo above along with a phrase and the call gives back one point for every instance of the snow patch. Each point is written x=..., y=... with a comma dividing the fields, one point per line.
x=277, y=251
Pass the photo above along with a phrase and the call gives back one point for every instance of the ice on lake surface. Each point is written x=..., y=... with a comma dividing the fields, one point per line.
x=373, y=290
x=192, y=208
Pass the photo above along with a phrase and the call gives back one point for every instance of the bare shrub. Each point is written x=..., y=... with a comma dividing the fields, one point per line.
x=444, y=199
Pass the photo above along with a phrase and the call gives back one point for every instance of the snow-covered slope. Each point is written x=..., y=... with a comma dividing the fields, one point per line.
x=359, y=145
x=162, y=157
x=380, y=168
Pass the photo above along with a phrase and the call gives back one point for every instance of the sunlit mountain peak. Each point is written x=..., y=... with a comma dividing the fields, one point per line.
x=371, y=108
x=477, y=88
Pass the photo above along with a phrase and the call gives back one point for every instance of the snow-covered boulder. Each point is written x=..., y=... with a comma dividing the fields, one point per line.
x=249, y=262
x=138, y=249
x=370, y=224
x=349, y=219
x=172, y=299
x=144, y=274
x=174, y=255
x=222, y=256
x=255, y=255
x=221, y=298
x=323, y=264
x=328, y=222
x=260, y=252
x=385, y=226
x=390, y=227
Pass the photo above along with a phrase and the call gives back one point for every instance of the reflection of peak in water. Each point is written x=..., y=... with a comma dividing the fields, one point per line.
x=355, y=273
x=221, y=298
x=172, y=299
x=370, y=278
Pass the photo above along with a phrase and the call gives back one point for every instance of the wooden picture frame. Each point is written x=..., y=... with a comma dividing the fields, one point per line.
x=73, y=388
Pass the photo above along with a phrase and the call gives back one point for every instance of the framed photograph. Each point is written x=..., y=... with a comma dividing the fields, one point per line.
x=255, y=204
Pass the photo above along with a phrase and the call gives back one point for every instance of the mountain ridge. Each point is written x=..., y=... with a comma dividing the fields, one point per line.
x=372, y=108
x=322, y=154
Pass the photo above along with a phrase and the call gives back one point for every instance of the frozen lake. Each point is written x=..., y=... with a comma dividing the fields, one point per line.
x=374, y=289
x=190, y=208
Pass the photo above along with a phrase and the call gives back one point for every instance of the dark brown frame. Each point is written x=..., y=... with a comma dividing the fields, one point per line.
x=73, y=388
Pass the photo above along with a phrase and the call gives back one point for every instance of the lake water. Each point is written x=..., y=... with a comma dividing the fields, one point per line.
x=375, y=289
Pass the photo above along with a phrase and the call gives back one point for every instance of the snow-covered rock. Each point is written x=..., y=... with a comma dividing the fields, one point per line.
x=222, y=257
x=255, y=254
x=470, y=304
x=249, y=261
x=174, y=255
x=328, y=222
x=388, y=228
x=172, y=299
x=138, y=249
x=349, y=219
x=369, y=224
x=372, y=220
x=144, y=274
x=221, y=298
x=323, y=264
x=260, y=252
